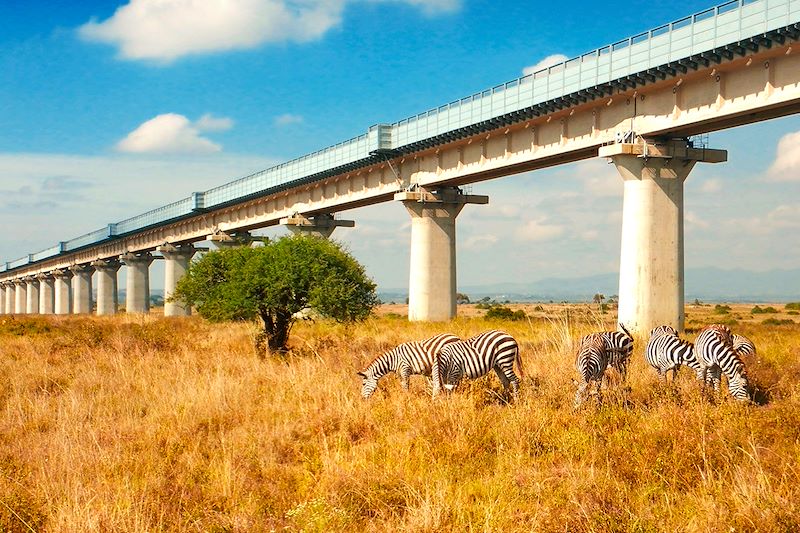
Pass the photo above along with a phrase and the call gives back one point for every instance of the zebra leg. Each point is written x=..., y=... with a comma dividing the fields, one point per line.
x=579, y=395
x=405, y=373
x=509, y=380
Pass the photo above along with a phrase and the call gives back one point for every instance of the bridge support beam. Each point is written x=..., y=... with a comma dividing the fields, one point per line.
x=230, y=240
x=32, y=295
x=176, y=263
x=137, y=288
x=432, y=279
x=651, y=281
x=20, y=296
x=107, y=298
x=46, y=294
x=82, y=289
x=63, y=292
x=321, y=225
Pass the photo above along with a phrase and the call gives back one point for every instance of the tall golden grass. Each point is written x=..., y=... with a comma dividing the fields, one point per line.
x=153, y=424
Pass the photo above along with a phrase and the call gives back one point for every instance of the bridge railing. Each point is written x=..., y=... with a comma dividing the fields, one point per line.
x=712, y=28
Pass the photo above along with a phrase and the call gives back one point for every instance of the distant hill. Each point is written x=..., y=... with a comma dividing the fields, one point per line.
x=706, y=284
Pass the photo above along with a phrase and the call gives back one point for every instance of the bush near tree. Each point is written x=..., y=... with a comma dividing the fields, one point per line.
x=277, y=281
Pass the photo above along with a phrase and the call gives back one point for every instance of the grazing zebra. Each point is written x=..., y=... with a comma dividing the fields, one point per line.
x=715, y=353
x=591, y=362
x=619, y=347
x=743, y=346
x=665, y=351
x=415, y=357
x=475, y=357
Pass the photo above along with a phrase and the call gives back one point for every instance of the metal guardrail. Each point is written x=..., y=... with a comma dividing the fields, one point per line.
x=716, y=27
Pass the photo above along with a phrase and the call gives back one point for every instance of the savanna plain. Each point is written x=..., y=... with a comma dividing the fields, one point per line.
x=141, y=423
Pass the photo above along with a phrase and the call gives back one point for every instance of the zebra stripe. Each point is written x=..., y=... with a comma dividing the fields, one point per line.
x=665, y=351
x=591, y=362
x=475, y=357
x=415, y=357
x=715, y=353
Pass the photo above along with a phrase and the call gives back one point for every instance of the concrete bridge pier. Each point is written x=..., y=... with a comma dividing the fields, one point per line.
x=432, y=280
x=82, y=289
x=2, y=298
x=176, y=263
x=63, y=292
x=32, y=295
x=651, y=281
x=320, y=225
x=107, y=299
x=46, y=294
x=20, y=296
x=137, y=298
x=10, y=298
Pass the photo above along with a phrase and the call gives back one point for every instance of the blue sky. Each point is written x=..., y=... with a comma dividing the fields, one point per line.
x=108, y=109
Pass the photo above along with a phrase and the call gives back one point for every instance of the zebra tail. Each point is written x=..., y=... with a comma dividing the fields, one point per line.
x=628, y=333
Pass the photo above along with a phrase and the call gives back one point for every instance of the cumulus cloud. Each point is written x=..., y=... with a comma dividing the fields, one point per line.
x=548, y=61
x=480, y=242
x=713, y=185
x=786, y=166
x=538, y=230
x=163, y=31
x=287, y=118
x=171, y=133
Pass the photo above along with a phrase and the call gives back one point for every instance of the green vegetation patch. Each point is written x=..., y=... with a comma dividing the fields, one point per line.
x=504, y=313
x=763, y=310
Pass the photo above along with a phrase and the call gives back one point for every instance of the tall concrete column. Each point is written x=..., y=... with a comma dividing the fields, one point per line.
x=137, y=297
x=320, y=225
x=651, y=282
x=81, y=289
x=46, y=294
x=107, y=299
x=20, y=297
x=63, y=292
x=2, y=298
x=432, y=280
x=10, y=297
x=32, y=295
x=176, y=263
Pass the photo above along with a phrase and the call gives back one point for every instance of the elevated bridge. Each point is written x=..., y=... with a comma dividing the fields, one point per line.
x=637, y=101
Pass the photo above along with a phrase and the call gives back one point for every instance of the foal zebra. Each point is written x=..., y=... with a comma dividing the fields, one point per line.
x=716, y=355
x=591, y=362
x=665, y=351
x=415, y=357
x=475, y=357
x=743, y=346
x=619, y=347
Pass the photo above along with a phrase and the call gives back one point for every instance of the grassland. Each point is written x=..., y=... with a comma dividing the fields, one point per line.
x=153, y=424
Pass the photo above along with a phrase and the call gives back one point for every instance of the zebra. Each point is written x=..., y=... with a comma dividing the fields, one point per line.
x=475, y=357
x=715, y=353
x=619, y=347
x=665, y=351
x=591, y=362
x=743, y=346
x=415, y=357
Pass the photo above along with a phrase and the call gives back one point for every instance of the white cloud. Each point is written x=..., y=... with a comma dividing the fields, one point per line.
x=287, y=119
x=480, y=242
x=538, y=230
x=209, y=122
x=692, y=219
x=548, y=61
x=710, y=186
x=786, y=166
x=164, y=30
x=171, y=133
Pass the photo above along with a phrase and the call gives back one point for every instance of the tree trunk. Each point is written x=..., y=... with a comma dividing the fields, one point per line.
x=276, y=332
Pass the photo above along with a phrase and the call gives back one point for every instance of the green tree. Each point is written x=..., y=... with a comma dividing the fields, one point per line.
x=276, y=281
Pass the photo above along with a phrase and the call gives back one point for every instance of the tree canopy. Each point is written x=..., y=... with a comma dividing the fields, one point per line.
x=275, y=281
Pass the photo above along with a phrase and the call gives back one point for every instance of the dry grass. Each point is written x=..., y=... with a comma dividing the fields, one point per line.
x=151, y=424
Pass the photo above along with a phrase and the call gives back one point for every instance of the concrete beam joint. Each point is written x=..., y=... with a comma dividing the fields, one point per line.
x=665, y=150
x=445, y=195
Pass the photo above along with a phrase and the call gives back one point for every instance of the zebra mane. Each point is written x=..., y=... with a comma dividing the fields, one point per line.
x=382, y=363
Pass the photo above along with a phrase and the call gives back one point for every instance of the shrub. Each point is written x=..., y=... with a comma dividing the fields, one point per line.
x=792, y=306
x=721, y=309
x=504, y=313
x=763, y=310
x=777, y=322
